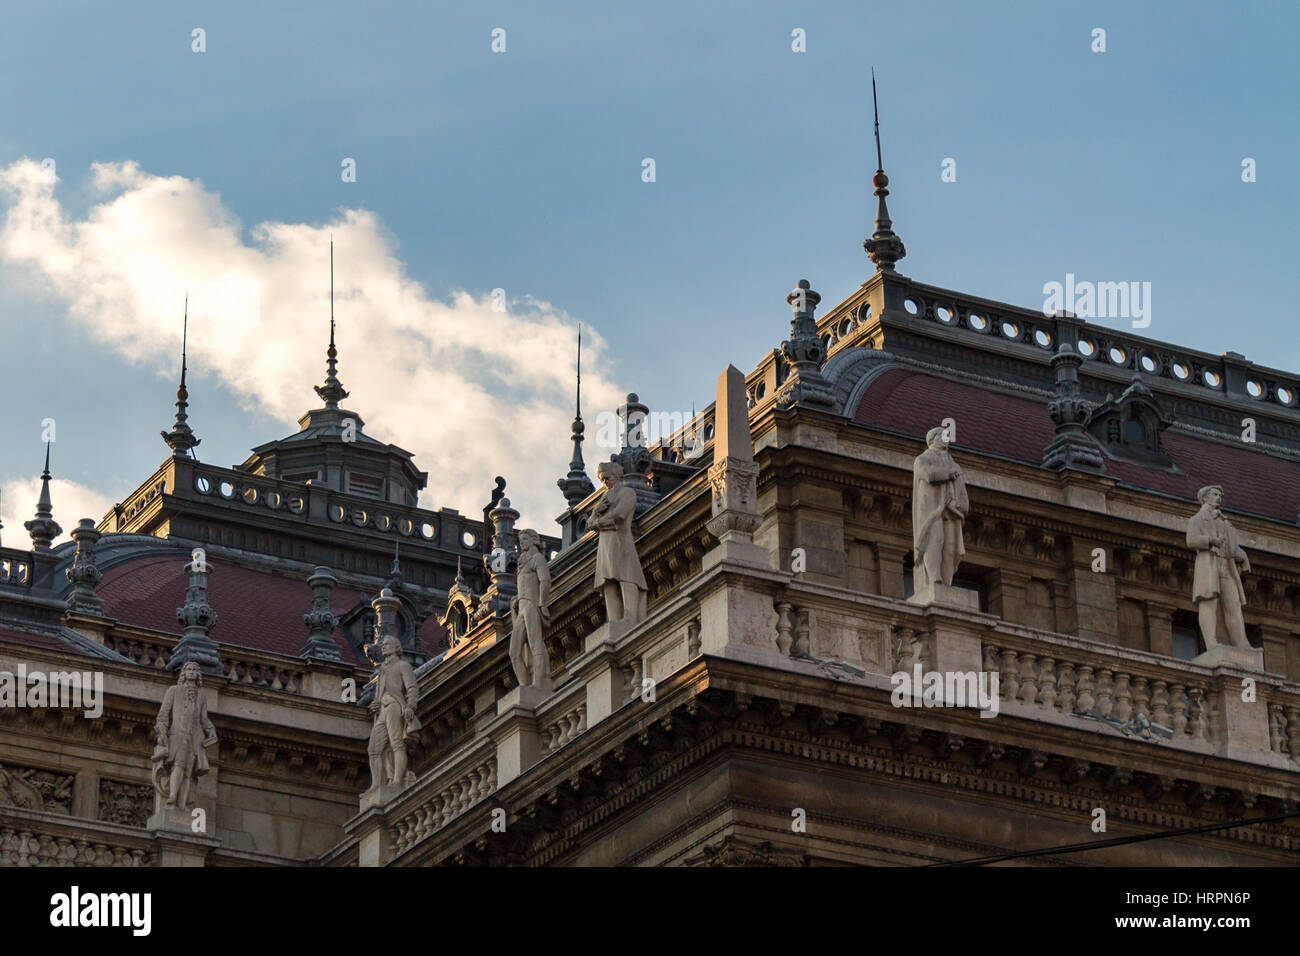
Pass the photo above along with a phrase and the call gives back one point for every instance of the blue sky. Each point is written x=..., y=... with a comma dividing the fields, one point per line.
x=522, y=171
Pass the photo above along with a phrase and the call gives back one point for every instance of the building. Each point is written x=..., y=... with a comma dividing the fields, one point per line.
x=751, y=718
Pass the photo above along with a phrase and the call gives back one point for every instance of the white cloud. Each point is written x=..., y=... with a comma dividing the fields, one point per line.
x=69, y=501
x=472, y=392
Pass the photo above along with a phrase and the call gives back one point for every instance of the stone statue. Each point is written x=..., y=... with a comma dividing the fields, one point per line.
x=1220, y=562
x=396, y=695
x=939, y=506
x=530, y=614
x=182, y=734
x=618, y=569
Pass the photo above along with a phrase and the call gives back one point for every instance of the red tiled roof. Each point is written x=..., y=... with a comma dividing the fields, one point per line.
x=256, y=609
x=31, y=639
x=912, y=403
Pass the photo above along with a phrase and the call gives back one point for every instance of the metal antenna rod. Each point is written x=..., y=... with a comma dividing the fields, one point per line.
x=880, y=164
x=185, y=331
x=578, y=405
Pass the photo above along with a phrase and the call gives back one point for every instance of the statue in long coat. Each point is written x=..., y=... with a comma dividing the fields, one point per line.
x=939, y=507
x=182, y=734
x=618, y=568
x=1216, y=578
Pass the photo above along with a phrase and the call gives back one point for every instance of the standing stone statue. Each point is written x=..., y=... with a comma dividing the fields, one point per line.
x=939, y=506
x=182, y=733
x=618, y=569
x=530, y=614
x=1220, y=562
x=396, y=695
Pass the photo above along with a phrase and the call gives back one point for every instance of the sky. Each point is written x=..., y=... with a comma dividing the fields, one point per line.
x=500, y=198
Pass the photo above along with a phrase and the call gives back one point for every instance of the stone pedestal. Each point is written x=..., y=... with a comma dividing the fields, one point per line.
x=1247, y=658
x=324, y=680
x=734, y=547
x=382, y=795
x=374, y=837
x=611, y=633
x=516, y=734
x=524, y=698
x=175, y=842
x=607, y=692
x=1244, y=724
x=944, y=594
x=171, y=819
x=93, y=626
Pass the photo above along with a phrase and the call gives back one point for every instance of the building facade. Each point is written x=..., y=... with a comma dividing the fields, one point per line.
x=757, y=715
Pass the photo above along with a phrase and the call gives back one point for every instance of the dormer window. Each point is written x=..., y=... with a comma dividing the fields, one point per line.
x=1128, y=428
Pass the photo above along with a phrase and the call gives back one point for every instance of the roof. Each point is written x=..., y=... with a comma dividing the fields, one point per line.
x=32, y=639
x=911, y=403
x=257, y=609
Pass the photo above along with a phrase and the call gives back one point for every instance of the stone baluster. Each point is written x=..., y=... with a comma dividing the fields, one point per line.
x=1086, y=685
x=1209, y=730
x=1160, y=703
x=1105, y=692
x=1293, y=731
x=1178, y=705
x=1141, y=697
x=1010, y=674
x=990, y=662
x=1277, y=737
x=1047, y=682
x=1028, y=679
x=1123, y=710
x=1067, y=686
x=1196, y=713
x=784, y=628
x=803, y=626
x=906, y=649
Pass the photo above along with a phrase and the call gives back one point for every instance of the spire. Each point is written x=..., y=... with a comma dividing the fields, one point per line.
x=43, y=528
x=576, y=485
x=395, y=579
x=181, y=438
x=883, y=248
x=332, y=391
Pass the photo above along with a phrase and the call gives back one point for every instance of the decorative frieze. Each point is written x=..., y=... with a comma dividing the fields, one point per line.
x=29, y=788
x=129, y=804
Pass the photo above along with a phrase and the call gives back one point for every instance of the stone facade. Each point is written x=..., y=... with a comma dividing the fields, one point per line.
x=750, y=718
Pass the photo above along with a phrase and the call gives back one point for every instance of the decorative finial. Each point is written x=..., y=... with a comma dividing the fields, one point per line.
x=320, y=620
x=43, y=528
x=804, y=352
x=1072, y=447
x=82, y=574
x=576, y=485
x=181, y=438
x=332, y=391
x=386, y=625
x=884, y=248
x=199, y=619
